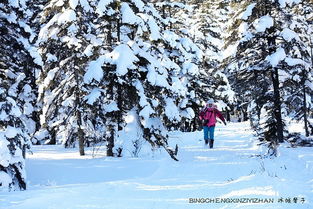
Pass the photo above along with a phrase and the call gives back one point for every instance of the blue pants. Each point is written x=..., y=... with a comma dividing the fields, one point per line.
x=206, y=131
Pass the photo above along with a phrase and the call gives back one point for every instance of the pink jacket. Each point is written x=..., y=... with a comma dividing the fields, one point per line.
x=210, y=114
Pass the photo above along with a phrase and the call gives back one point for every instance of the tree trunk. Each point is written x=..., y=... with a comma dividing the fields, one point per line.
x=170, y=16
x=227, y=114
x=118, y=30
x=120, y=107
x=110, y=142
x=110, y=124
x=305, y=117
x=306, y=122
x=277, y=106
x=52, y=140
x=311, y=44
x=109, y=40
x=245, y=114
x=80, y=132
x=271, y=40
x=164, y=16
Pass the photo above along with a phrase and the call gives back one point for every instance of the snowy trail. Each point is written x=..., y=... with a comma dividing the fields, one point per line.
x=60, y=179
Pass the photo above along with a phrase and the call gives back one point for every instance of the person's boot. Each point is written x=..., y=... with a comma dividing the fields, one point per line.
x=211, y=143
x=206, y=141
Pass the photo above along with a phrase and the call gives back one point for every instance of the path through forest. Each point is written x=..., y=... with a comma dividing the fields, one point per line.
x=232, y=172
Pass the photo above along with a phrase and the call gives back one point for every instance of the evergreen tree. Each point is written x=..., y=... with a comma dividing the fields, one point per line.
x=17, y=65
x=261, y=57
x=34, y=9
x=273, y=50
x=189, y=60
x=104, y=59
x=298, y=82
x=65, y=43
x=158, y=80
x=200, y=22
x=213, y=19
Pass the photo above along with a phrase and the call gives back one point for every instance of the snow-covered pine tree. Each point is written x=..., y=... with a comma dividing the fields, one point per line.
x=212, y=22
x=152, y=74
x=126, y=62
x=231, y=36
x=66, y=41
x=109, y=94
x=298, y=83
x=34, y=8
x=18, y=62
x=14, y=139
x=260, y=57
x=307, y=13
x=189, y=58
x=196, y=25
x=194, y=22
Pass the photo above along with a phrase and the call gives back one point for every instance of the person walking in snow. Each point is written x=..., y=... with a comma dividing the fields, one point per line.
x=208, y=115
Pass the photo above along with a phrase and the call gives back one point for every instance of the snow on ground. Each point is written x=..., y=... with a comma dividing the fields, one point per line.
x=232, y=171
